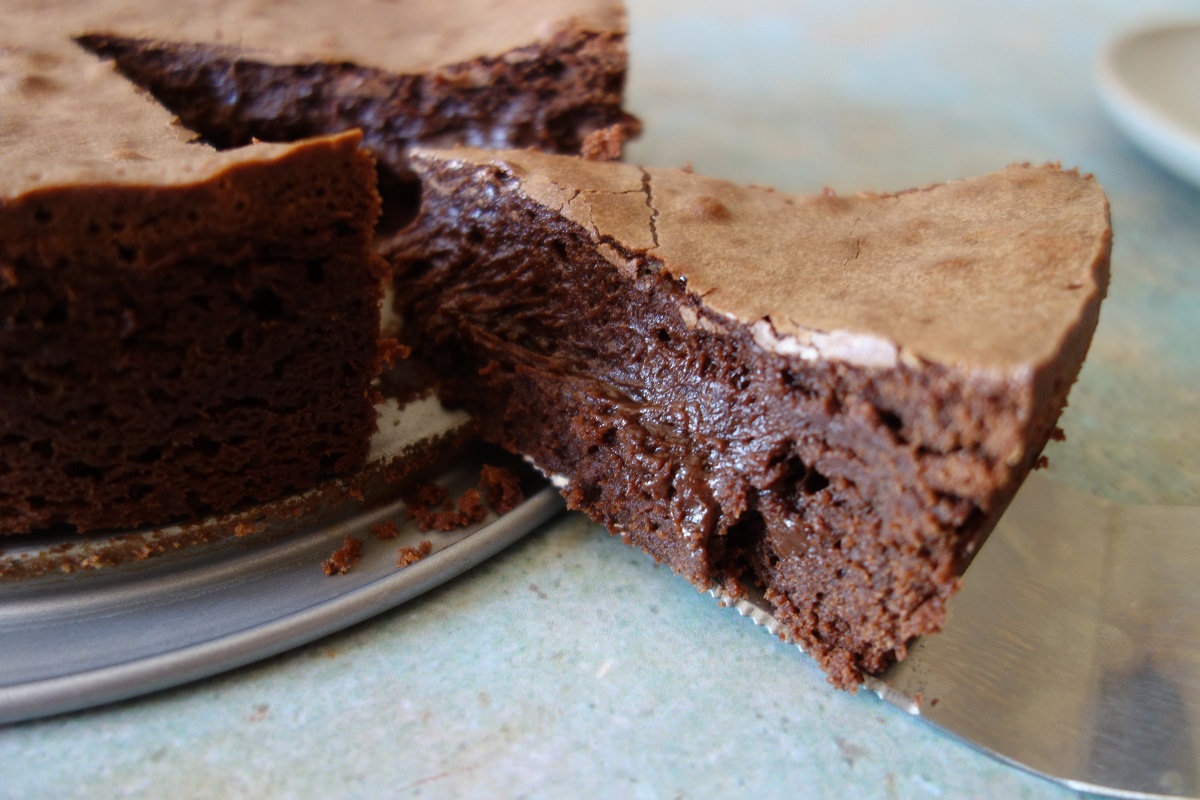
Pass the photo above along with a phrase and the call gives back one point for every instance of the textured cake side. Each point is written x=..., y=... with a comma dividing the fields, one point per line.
x=855, y=495
x=175, y=350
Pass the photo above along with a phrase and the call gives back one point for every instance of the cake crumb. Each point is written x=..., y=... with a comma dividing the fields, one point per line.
x=433, y=511
x=1042, y=463
x=343, y=559
x=243, y=529
x=426, y=495
x=407, y=556
x=385, y=530
x=471, y=504
x=502, y=488
x=604, y=144
x=391, y=351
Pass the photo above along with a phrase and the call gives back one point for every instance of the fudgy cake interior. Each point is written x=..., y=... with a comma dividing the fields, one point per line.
x=157, y=360
x=853, y=493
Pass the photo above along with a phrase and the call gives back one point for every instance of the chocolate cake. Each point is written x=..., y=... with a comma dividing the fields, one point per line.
x=536, y=73
x=181, y=330
x=169, y=311
x=830, y=397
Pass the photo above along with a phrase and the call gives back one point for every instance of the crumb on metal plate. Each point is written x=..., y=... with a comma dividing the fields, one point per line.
x=385, y=530
x=407, y=556
x=503, y=488
x=343, y=559
x=429, y=505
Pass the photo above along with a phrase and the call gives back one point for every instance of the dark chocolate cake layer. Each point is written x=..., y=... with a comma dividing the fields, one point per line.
x=181, y=330
x=831, y=397
x=170, y=350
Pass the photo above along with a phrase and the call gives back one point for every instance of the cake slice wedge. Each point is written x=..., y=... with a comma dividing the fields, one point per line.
x=831, y=397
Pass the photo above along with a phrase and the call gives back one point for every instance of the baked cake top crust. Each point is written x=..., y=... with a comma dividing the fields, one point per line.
x=67, y=118
x=63, y=113
x=363, y=32
x=997, y=275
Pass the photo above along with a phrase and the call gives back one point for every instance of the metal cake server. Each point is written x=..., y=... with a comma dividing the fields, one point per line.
x=1073, y=650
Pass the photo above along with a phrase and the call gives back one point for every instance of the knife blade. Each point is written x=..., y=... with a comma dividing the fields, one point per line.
x=1073, y=650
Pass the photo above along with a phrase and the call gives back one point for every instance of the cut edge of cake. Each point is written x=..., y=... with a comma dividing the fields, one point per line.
x=181, y=342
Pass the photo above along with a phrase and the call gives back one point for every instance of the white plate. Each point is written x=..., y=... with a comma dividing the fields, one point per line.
x=1149, y=81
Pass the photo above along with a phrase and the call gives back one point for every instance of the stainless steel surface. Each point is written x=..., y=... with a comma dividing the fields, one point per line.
x=1073, y=649
x=74, y=641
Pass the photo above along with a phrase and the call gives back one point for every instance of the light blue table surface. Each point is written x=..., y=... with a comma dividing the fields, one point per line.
x=570, y=665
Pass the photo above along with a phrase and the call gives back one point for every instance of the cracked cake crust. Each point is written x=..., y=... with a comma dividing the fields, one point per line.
x=687, y=355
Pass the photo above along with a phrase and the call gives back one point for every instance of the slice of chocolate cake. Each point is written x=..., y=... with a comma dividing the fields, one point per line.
x=181, y=330
x=833, y=397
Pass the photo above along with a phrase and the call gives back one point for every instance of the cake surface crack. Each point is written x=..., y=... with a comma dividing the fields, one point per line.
x=650, y=205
